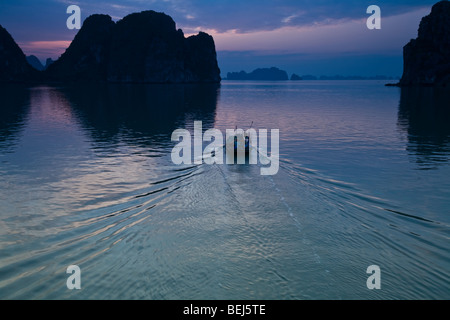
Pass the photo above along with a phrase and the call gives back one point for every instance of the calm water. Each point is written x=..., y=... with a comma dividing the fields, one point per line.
x=86, y=178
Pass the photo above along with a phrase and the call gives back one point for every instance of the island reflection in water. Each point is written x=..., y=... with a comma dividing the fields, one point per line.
x=143, y=113
x=14, y=109
x=424, y=114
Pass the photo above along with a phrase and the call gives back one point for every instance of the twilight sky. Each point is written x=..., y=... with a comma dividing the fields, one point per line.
x=318, y=37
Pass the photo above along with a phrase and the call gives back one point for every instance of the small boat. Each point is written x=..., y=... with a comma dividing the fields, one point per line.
x=240, y=141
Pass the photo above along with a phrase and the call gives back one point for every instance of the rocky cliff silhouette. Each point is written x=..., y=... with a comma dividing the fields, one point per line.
x=426, y=60
x=87, y=56
x=14, y=66
x=143, y=47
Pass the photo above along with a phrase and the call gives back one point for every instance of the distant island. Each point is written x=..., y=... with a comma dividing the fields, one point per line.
x=143, y=47
x=275, y=74
x=36, y=63
x=340, y=77
x=426, y=60
x=267, y=74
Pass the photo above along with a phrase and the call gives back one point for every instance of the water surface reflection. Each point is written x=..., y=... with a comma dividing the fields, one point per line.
x=141, y=113
x=424, y=114
x=14, y=108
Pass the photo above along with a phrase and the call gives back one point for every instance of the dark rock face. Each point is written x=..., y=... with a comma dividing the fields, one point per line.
x=146, y=47
x=201, y=59
x=86, y=57
x=13, y=62
x=269, y=74
x=143, y=47
x=426, y=60
x=295, y=77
